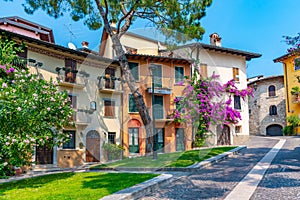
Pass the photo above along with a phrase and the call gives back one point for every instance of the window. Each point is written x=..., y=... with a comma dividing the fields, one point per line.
x=112, y=137
x=236, y=76
x=110, y=78
x=179, y=106
x=71, y=143
x=158, y=107
x=203, y=70
x=237, y=102
x=238, y=129
x=179, y=74
x=73, y=100
x=297, y=64
x=132, y=105
x=134, y=68
x=70, y=70
x=273, y=110
x=21, y=60
x=157, y=73
x=271, y=90
x=109, y=108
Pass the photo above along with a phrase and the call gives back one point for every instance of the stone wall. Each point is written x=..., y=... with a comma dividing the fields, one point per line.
x=259, y=105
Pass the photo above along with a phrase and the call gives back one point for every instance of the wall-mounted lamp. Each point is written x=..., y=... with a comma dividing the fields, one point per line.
x=255, y=86
x=93, y=106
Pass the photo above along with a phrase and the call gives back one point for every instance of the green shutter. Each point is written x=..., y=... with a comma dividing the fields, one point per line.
x=132, y=105
x=179, y=74
x=158, y=76
x=159, y=107
x=134, y=68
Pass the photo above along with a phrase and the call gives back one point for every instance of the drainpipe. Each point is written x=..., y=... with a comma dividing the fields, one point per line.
x=286, y=86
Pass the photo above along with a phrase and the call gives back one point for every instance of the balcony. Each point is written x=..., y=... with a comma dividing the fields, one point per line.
x=82, y=117
x=162, y=85
x=110, y=85
x=77, y=83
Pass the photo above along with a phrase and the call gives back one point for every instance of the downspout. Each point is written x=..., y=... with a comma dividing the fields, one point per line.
x=286, y=86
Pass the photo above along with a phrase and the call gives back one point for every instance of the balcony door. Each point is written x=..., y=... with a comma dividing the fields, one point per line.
x=157, y=73
x=158, y=107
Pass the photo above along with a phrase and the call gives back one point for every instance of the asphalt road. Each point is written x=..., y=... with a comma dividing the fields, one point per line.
x=281, y=181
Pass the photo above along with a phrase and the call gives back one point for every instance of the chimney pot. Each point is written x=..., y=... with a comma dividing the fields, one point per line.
x=85, y=44
x=215, y=39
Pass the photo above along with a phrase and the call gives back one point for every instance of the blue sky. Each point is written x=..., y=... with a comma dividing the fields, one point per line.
x=249, y=25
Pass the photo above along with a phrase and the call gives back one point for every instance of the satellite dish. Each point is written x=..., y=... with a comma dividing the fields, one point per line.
x=71, y=46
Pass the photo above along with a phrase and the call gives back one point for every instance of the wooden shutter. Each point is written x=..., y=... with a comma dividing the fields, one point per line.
x=236, y=74
x=203, y=70
x=109, y=108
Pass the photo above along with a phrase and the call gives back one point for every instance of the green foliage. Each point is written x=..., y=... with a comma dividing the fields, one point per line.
x=91, y=185
x=114, y=151
x=179, y=16
x=288, y=130
x=293, y=120
x=295, y=90
x=32, y=112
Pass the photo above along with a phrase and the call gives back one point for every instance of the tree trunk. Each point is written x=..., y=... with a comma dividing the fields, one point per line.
x=144, y=113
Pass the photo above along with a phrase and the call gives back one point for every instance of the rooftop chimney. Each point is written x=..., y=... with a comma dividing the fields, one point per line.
x=85, y=44
x=215, y=39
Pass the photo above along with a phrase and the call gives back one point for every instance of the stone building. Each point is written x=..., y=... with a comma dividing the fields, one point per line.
x=267, y=107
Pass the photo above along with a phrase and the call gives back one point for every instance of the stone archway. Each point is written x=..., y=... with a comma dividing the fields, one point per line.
x=223, y=135
x=93, y=146
x=274, y=130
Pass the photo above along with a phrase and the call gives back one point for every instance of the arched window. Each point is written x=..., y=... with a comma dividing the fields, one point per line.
x=273, y=110
x=271, y=90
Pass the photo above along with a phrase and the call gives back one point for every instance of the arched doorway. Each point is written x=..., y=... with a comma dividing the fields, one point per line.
x=274, y=130
x=223, y=135
x=93, y=146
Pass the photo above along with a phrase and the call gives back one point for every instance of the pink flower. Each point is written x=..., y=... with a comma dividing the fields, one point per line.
x=179, y=83
x=19, y=109
x=48, y=109
x=4, y=85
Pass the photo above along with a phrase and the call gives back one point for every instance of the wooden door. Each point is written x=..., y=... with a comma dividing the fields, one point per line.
x=160, y=140
x=223, y=135
x=92, y=146
x=44, y=155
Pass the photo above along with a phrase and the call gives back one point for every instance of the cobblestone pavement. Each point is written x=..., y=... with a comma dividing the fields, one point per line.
x=216, y=181
x=282, y=179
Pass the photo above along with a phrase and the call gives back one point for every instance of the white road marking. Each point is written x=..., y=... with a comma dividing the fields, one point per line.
x=245, y=188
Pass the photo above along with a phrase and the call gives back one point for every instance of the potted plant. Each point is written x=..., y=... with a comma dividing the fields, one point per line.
x=296, y=91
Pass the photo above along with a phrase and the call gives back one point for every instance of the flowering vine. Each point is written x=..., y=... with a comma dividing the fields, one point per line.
x=206, y=101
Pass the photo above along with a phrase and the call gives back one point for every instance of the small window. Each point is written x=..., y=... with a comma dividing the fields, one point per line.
x=112, y=137
x=297, y=64
x=236, y=76
x=109, y=108
x=273, y=110
x=70, y=70
x=73, y=101
x=132, y=105
x=203, y=70
x=237, y=102
x=110, y=78
x=271, y=90
x=71, y=143
x=238, y=129
x=134, y=68
x=179, y=74
x=178, y=104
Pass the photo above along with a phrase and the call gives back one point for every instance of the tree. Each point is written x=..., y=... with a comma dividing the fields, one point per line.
x=32, y=111
x=182, y=16
x=206, y=101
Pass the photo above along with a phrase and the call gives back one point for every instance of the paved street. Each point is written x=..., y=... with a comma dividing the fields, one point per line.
x=282, y=179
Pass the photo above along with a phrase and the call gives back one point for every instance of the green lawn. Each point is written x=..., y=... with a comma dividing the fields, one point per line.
x=91, y=185
x=177, y=159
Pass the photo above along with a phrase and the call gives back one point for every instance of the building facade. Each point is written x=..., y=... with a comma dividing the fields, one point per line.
x=267, y=107
x=167, y=72
x=94, y=87
x=291, y=73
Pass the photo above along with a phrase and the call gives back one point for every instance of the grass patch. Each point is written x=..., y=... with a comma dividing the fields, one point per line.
x=91, y=185
x=177, y=159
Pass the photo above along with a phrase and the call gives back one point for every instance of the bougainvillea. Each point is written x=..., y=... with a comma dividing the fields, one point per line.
x=206, y=102
x=33, y=112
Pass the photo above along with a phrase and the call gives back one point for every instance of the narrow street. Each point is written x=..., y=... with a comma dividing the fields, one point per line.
x=281, y=181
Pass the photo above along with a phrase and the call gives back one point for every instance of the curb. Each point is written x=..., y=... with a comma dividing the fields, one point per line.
x=140, y=189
